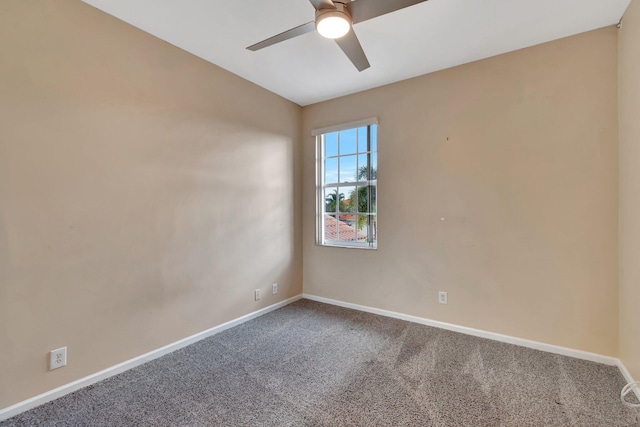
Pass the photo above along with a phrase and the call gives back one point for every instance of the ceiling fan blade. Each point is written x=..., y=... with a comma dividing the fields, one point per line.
x=289, y=34
x=350, y=45
x=322, y=4
x=362, y=10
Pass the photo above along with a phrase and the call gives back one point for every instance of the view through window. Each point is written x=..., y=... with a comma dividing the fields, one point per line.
x=347, y=192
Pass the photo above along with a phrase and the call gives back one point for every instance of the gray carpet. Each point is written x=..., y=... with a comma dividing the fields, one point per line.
x=312, y=364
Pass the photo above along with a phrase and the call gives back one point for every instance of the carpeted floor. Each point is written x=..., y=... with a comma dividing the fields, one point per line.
x=312, y=364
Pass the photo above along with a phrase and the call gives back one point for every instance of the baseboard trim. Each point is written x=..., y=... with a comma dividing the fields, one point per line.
x=536, y=345
x=550, y=348
x=50, y=395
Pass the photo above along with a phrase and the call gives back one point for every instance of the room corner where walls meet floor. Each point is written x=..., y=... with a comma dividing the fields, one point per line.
x=132, y=363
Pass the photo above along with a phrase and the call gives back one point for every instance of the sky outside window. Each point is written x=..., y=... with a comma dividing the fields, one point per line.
x=347, y=149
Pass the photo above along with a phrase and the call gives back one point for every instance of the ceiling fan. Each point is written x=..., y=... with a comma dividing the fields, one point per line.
x=334, y=20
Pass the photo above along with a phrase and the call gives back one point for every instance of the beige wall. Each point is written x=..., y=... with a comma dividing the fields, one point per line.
x=518, y=154
x=144, y=194
x=629, y=106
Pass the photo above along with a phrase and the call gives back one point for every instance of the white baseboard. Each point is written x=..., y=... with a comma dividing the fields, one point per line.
x=40, y=399
x=536, y=345
x=550, y=348
x=50, y=395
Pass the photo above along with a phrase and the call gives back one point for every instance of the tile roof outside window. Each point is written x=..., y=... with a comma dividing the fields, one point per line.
x=344, y=233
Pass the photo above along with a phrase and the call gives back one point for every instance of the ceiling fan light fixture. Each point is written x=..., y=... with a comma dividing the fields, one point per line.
x=333, y=23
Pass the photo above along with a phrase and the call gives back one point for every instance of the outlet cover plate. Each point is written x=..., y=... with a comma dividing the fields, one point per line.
x=58, y=358
x=442, y=297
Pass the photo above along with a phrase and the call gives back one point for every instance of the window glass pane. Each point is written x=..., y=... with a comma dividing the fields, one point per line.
x=348, y=142
x=347, y=218
x=332, y=199
x=331, y=171
x=373, y=236
x=330, y=227
x=362, y=167
x=364, y=204
x=331, y=144
x=374, y=165
x=363, y=228
x=350, y=199
x=346, y=228
x=362, y=139
x=374, y=137
x=347, y=168
x=374, y=199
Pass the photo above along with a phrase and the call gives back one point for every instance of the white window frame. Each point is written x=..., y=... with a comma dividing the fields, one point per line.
x=319, y=135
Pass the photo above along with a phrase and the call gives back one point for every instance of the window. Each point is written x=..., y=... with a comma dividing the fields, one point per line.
x=347, y=166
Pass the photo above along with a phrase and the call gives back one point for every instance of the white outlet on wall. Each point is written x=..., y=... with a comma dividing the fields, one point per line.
x=257, y=294
x=58, y=358
x=442, y=297
x=274, y=288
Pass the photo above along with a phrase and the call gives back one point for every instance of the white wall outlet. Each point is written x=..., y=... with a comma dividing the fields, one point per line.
x=57, y=358
x=257, y=294
x=442, y=297
x=274, y=288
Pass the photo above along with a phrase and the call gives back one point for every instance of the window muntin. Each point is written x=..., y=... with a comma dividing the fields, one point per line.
x=347, y=187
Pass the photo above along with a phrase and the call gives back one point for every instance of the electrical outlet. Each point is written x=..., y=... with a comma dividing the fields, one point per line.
x=274, y=288
x=257, y=294
x=58, y=358
x=442, y=297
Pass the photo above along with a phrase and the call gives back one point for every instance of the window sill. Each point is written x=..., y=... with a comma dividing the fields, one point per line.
x=330, y=245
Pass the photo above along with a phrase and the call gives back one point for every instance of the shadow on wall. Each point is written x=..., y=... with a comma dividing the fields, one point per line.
x=227, y=218
x=139, y=212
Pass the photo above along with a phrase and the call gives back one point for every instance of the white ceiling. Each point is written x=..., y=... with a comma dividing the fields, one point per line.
x=420, y=39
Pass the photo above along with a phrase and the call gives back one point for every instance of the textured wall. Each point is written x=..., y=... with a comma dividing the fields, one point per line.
x=518, y=154
x=629, y=106
x=144, y=194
